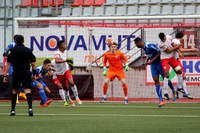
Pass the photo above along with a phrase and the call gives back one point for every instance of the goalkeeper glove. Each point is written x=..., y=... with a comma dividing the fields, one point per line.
x=126, y=67
x=105, y=71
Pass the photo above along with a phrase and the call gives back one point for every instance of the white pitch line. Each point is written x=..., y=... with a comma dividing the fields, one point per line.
x=111, y=115
x=108, y=106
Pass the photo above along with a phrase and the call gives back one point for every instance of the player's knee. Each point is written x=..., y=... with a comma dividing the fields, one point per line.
x=179, y=72
x=71, y=82
x=39, y=85
x=123, y=82
x=106, y=81
x=26, y=91
x=14, y=92
x=178, y=69
x=60, y=85
x=167, y=74
x=156, y=82
x=48, y=90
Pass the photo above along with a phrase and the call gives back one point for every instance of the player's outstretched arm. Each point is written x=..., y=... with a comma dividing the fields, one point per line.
x=169, y=50
x=180, y=53
x=189, y=50
x=126, y=61
x=104, y=66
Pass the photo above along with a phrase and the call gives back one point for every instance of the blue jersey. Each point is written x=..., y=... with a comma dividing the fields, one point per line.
x=10, y=46
x=40, y=70
x=151, y=50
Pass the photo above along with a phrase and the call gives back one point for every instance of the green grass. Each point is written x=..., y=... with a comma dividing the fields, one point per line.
x=102, y=118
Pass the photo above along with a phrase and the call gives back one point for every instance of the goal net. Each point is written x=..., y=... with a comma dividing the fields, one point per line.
x=85, y=39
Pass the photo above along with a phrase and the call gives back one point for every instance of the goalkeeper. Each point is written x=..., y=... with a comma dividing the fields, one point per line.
x=115, y=60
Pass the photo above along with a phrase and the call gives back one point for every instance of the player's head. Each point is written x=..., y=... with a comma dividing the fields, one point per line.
x=138, y=42
x=46, y=64
x=113, y=46
x=15, y=37
x=179, y=35
x=162, y=36
x=61, y=45
x=19, y=39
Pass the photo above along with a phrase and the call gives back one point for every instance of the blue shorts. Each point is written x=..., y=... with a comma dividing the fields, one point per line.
x=35, y=83
x=156, y=69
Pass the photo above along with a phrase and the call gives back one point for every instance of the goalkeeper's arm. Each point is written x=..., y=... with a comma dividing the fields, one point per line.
x=105, y=70
x=126, y=61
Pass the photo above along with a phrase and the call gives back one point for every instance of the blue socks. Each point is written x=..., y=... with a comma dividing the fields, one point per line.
x=43, y=96
x=159, y=92
x=171, y=86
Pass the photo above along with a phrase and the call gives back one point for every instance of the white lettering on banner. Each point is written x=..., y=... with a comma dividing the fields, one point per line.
x=191, y=69
x=190, y=39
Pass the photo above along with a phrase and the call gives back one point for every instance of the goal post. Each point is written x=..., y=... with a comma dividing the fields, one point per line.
x=87, y=46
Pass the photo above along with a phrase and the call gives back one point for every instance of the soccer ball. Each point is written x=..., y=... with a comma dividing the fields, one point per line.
x=109, y=41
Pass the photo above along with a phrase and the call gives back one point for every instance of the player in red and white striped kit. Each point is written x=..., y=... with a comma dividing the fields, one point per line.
x=64, y=76
x=181, y=86
x=168, y=59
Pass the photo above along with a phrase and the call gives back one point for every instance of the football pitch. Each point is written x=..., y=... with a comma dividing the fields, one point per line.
x=92, y=117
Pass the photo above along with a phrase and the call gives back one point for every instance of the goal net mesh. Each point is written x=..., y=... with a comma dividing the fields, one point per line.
x=85, y=42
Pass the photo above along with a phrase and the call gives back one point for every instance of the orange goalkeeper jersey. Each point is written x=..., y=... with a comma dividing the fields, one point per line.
x=115, y=60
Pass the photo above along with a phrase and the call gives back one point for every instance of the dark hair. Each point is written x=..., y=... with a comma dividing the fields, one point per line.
x=161, y=36
x=60, y=43
x=138, y=39
x=114, y=43
x=19, y=39
x=179, y=34
x=46, y=61
x=15, y=36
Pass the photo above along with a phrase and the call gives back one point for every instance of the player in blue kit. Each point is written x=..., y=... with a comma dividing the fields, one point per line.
x=41, y=71
x=153, y=53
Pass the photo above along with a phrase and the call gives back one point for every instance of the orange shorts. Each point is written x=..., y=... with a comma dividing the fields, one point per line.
x=112, y=75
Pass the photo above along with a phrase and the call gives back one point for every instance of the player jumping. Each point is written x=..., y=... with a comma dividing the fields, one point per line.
x=115, y=59
x=181, y=87
x=153, y=53
x=41, y=71
x=167, y=59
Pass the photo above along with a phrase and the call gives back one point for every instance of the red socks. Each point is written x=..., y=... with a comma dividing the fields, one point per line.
x=125, y=88
x=105, y=89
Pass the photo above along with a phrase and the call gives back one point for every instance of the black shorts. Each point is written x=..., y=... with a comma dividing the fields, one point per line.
x=22, y=79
